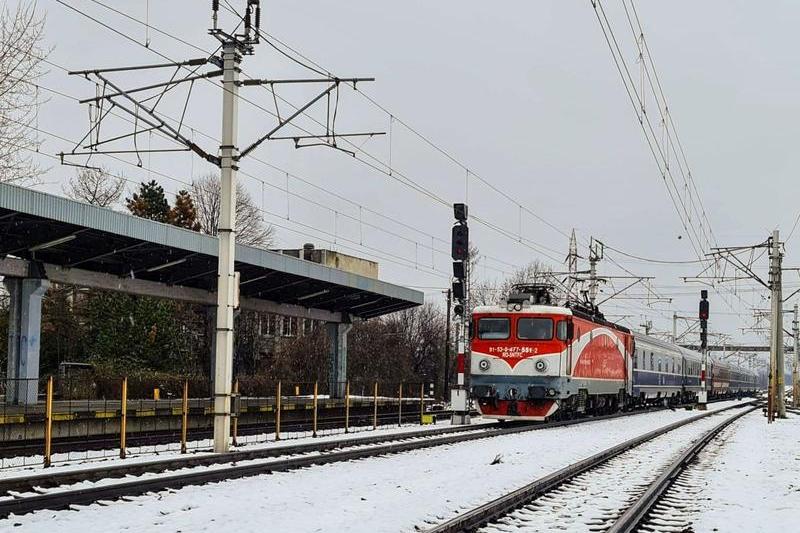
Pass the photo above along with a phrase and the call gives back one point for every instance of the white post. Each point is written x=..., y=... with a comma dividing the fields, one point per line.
x=796, y=332
x=675, y=328
x=778, y=369
x=226, y=283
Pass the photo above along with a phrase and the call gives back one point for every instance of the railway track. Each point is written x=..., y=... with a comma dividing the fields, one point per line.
x=13, y=449
x=656, y=499
x=613, y=490
x=62, y=489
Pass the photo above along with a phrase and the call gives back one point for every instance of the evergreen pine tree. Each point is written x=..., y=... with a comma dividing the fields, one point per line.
x=150, y=202
x=184, y=213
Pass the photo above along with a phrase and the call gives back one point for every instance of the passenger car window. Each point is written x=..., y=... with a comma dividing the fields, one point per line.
x=538, y=329
x=493, y=328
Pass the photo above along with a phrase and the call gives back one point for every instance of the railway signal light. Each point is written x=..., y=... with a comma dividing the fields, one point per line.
x=458, y=290
x=460, y=212
x=703, y=305
x=458, y=270
x=460, y=249
x=458, y=309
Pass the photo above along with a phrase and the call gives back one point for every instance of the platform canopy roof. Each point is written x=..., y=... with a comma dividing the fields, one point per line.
x=56, y=233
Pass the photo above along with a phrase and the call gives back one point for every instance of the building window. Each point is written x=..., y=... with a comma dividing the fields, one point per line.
x=272, y=325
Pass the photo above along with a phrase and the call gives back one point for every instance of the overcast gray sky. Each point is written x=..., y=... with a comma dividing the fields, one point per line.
x=523, y=93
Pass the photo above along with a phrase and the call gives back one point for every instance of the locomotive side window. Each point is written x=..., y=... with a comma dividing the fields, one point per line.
x=535, y=329
x=493, y=328
x=561, y=330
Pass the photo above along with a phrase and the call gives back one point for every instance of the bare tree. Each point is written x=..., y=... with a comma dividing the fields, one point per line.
x=21, y=55
x=250, y=226
x=96, y=187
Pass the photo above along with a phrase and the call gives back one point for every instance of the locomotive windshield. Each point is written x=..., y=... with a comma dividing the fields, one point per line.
x=493, y=328
x=535, y=329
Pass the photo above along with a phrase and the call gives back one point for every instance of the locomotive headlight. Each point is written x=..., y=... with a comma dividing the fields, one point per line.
x=484, y=364
x=540, y=365
x=551, y=392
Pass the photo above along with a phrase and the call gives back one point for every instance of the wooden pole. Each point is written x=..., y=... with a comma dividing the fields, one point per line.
x=184, y=415
x=278, y=413
x=375, y=411
x=48, y=423
x=347, y=407
x=235, y=415
x=316, y=390
x=400, y=405
x=421, y=402
x=123, y=422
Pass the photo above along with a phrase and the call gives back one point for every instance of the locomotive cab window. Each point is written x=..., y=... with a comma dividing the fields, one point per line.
x=535, y=329
x=493, y=328
x=561, y=330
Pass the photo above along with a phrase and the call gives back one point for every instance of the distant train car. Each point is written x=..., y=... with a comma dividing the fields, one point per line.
x=532, y=360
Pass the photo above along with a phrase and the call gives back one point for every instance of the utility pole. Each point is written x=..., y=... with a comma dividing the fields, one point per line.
x=595, y=255
x=145, y=110
x=446, y=383
x=796, y=333
x=777, y=371
x=461, y=258
x=227, y=281
x=702, y=397
x=572, y=265
x=675, y=328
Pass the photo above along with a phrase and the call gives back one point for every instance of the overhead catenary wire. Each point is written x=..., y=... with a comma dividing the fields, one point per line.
x=378, y=165
x=263, y=182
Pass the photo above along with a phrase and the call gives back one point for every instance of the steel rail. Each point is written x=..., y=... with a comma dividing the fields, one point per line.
x=638, y=512
x=499, y=507
x=12, y=449
x=369, y=447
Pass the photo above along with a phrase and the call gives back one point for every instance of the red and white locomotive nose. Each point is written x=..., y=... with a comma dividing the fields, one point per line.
x=530, y=358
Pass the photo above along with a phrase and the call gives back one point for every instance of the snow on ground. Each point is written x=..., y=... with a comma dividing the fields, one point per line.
x=593, y=501
x=104, y=458
x=387, y=493
x=745, y=480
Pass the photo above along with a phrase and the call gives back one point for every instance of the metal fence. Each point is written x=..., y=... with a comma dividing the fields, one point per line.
x=86, y=418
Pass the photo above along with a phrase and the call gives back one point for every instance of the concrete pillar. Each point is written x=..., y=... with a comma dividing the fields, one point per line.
x=337, y=350
x=24, y=331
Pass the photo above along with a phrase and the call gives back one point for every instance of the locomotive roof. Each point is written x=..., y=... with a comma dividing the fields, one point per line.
x=537, y=309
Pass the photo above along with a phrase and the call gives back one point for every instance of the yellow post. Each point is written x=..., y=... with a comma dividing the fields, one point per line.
x=123, y=421
x=314, y=433
x=278, y=413
x=400, y=406
x=48, y=422
x=156, y=393
x=421, y=402
x=375, y=412
x=184, y=415
x=235, y=419
x=347, y=407
x=297, y=390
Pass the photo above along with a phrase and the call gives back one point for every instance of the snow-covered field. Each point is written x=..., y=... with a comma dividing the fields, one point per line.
x=389, y=493
x=745, y=480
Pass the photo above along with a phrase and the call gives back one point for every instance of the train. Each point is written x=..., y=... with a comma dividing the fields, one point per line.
x=533, y=359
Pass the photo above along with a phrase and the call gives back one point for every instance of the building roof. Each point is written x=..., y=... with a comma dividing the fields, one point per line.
x=42, y=227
